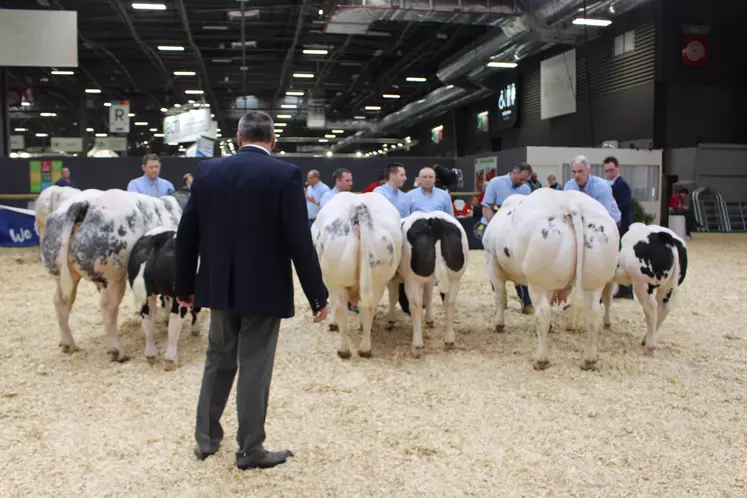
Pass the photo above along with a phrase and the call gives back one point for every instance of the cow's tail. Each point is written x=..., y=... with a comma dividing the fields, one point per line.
x=365, y=227
x=75, y=214
x=577, y=300
x=442, y=271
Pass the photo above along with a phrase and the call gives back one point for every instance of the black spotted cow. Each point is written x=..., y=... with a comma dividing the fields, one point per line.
x=91, y=238
x=434, y=249
x=654, y=260
x=48, y=201
x=151, y=274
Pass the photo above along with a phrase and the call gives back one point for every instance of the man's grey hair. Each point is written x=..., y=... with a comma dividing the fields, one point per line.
x=314, y=174
x=257, y=127
x=581, y=160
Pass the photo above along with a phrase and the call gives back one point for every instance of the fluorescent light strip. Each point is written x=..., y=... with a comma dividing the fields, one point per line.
x=48, y=114
x=42, y=135
x=63, y=73
x=390, y=96
x=148, y=6
x=21, y=129
x=216, y=28
x=416, y=79
x=280, y=125
x=503, y=64
x=132, y=114
x=591, y=22
x=330, y=136
x=338, y=131
x=323, y=140
x=184, y=73
x=101, y=135
x=303, y=75
x=288, y=106
x=372, y=108
x=163, y=109
x=170, y=48
x=141, y=123
x=284, y=116
x=93, y=90
x=25, y=104
x=359, y=117
x=89, y=130
x=311, y=51
x=158, y=135
x=294, y=94
x=194, y=92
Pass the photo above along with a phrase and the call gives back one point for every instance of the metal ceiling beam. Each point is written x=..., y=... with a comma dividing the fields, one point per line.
x=291, y=50
x=201, y=61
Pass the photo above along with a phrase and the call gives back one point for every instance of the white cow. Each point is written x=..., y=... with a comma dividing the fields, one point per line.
x=435, y=248
x=654, y=260
x=48, y=201
x=359, y=243
x=91, y=237
x=555, y=242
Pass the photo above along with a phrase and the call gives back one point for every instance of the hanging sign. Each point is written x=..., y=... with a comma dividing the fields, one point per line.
x=189, y=126
x=119, y=116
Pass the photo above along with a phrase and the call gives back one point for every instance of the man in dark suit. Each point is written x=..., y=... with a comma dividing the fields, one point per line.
x=246, y=219
x=624, y=199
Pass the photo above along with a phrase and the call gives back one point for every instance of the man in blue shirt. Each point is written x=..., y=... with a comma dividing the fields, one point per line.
x=428, y=198
x=496, y=192
x=65, y=181
x=314, y=193
x=395, y=178
x=594, y=186
x=343, y=183
x=150, y=183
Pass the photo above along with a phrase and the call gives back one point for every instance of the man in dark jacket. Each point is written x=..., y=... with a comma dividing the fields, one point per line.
x=624, y=199
x=246, y=220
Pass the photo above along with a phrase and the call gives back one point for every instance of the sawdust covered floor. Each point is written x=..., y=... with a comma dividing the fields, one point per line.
x=474, y=421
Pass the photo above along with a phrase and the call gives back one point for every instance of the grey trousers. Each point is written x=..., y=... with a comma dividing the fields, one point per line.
x=246, y=343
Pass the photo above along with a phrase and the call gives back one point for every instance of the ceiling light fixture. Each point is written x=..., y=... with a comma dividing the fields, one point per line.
x=163, y=109
x=416, y=79
x=288, y=106
x=101, y=135
x=63, y=73
x=294, y=93
x=510, y=65
x=141, y=123
x=390, y=96
x=338, y=131
x=171, y=48
x=93, y=90
x=284, y=116
x=329, y=153
x=194, y=92
x=315, y=51
x=153, y=129
x=359, y=117
x=148, y=6
x=158, y=135
x=358, y=154
x=132, y=114
x=323, y=140
x=280, y=125
x=25, y=104
x=22, y=129
x=222, y=61
x=48, y=114
x=330, y=136
x=216, y=28
x=303, y=75
x=591, y=22
x=372, y=108
x=184, y=73
x=177, y=105
x=42, y=135
x=89, y=130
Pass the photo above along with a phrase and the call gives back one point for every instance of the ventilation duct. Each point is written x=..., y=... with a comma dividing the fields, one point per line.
x=355, y=17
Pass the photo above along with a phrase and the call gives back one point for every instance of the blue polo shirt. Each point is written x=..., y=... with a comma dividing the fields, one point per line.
x=328, y=197
x=396, y=197
x=599, y=189
x=144, y=185
x=316, y=191
x=437, y=200
x=498, y=189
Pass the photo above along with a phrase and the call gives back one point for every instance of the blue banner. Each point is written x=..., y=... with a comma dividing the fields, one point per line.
x=17, y=227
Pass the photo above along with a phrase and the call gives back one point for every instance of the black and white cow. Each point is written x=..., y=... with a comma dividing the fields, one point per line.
x=654, y=260
x=151, y=274
x=434, y=248
x=90, y=237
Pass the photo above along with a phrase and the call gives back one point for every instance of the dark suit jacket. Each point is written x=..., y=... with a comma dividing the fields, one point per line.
x=624, y=198
x=246, y=218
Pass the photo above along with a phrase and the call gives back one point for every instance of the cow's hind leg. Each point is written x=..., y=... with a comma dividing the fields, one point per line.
x=543, y=317
x=341, y=317
x=393, y=291
x=176, y=321
x=593, y=320
x=415, y=293
x=149, y=313
x=63, y=307
x=607, y=293
x=449, y=308
x=645, y=296
x=367, y=312
x=495, y=275
x=111, y=299
x=428, y=303
x=333, y=327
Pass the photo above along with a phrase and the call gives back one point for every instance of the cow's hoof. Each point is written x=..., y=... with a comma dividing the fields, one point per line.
x=365, y=354
x=169, y=365
x=541, y=364
x=528, y=310
x=429, y=325
x=67, y=348
x=608, y=326
x=151, y=360
x=500, y=328
x=333, y=327
x=643, y=341
x=589, y=365
x=417, y=351
x=389, y=326
x=343, y=354
x=649, y=351
x=448, y=346
x=118, y=356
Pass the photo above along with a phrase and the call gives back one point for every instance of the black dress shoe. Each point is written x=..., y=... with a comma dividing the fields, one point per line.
x=202, y=455
x=263, y=459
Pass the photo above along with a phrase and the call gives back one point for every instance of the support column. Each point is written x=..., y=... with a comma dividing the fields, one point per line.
x=83, y=122
x=4, y=114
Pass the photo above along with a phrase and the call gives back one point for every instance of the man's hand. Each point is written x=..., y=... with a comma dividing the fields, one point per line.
x=186, y=302
x=311, y=199
x=322, y=315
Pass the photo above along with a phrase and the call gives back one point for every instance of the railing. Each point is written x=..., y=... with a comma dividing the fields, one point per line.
x=710, y=210
x=737, y=215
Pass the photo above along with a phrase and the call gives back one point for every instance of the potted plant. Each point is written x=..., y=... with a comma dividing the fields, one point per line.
x=640, y=215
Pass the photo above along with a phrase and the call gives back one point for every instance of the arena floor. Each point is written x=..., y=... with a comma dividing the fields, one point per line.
x=475, y=421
